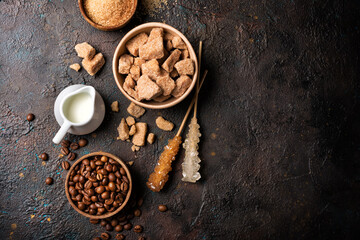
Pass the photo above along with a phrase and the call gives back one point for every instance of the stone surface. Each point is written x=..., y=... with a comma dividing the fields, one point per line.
x=279, y=116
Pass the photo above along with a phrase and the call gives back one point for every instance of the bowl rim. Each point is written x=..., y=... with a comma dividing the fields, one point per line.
x=101, y=27
x=108, y=214
x=130, y=35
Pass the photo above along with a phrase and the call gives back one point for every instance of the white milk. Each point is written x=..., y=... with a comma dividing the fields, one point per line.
x=78, y=108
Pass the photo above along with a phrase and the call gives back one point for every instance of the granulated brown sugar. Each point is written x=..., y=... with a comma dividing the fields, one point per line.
x=109, y=13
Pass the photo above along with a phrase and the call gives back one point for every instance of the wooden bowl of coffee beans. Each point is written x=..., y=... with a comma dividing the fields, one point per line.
x=98, y=185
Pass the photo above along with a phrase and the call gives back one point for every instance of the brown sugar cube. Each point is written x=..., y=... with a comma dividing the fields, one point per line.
x=94, y=65
x=174, y=73
x=135, y=43
x=166, y=55
x=156, y=33
x=184, y=54
x=139, y=62
x=151, y=138
x=182, y=84
x=130, y=121
x=168, y=36
x=161, y=98
x=164, y=124
x=139, y=137
x=185, y=67
x=166, y=83
x=129, y=86
x=132, y=130
x=147, y=89
x=135, y=110
x=152, y=49
x=123, y=130
x=115, y=106
x=151, y=68
x=168, y=45
x=125, y=63
x=168, y=65
x=85, y=50
x=135, y=72
x=177, y=42
x=135, y=148
x=75, y=66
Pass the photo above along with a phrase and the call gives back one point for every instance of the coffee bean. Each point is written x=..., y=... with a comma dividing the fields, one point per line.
x=49, y=181
x=114, y=222
x=71, y=156
x=122, y=171
x=99, y=176
x=81, y=206
x=162, y=208
x=74, y=146
x=30, y=117
x=94, y=221
x=100, y=189
x=138, y=228
x=64, y=151
x=65, y=143
x=108, y=227
x=120, y=236
x=128, y=226
x=137, y=213
x=105, y=236
x=82, y=142
x=104, y=159
x=86, y=162
x=73, y=191
x=103, y=223
x=44, y=156
x=112, y=186
x=130, y=216
x=112, y=177
x=105, y=195
x=109, y=168
x=118, y=228
x=65, y=165
x=88, y=185
x=101, y=210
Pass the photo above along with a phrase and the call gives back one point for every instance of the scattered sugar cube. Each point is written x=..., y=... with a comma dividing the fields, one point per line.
x=135, y=43
x=135, y=110
x=182, y=84
x=115, y=106
x=75, y=66
x=164, y=124
x=85, y=50
x=168, y=65
x=151, y=138
x=135, y=148
x=185, y=67
x=94, y=65
x=147, y=89
x=130, y=121
x=125, y=63
x=123, y=130
x=132, y=130
x=177, y=42
x=139, y=137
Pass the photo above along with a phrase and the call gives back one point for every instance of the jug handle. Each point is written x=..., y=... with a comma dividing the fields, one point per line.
x=61, y=133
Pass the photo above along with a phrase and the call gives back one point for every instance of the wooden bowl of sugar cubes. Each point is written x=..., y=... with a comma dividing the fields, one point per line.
x=155, y=66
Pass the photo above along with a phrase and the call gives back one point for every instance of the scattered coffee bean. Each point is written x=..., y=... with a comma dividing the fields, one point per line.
x=138, y=228
x=162, y=208
x=128, y=226
x=65, y=143
x=105, y=236
x=49, y=181
x=141, y=238
x=94, y=221
x=130, y=216
x=65, y=165
x=140, y=202
x=137, y=213
x=82, y=142
x=74, y=146
x=30, y=117
x=64, y=151
x=103, y=223
x=118, y=228
x=44, y=156
x=120, y=236
x=114, y=222
x=108, y=227
x=71, y=156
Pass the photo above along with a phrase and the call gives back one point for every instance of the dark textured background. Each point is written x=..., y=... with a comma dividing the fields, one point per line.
x=279, y=114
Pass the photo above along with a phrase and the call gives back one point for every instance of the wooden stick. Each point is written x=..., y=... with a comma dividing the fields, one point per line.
x=191, y=104
x=198, y=79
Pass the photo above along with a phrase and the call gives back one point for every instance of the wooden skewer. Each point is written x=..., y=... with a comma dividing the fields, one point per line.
x=198, y=79
x=191, y=104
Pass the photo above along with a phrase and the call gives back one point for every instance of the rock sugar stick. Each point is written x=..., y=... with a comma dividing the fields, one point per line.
x=159, y=177
x=191, y=166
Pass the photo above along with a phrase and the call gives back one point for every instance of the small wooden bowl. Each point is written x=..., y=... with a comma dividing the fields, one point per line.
x=121, y=49
x=108, y=214
x=104, y=28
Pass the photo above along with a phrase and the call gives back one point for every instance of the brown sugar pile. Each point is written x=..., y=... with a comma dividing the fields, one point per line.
x=109, y=13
